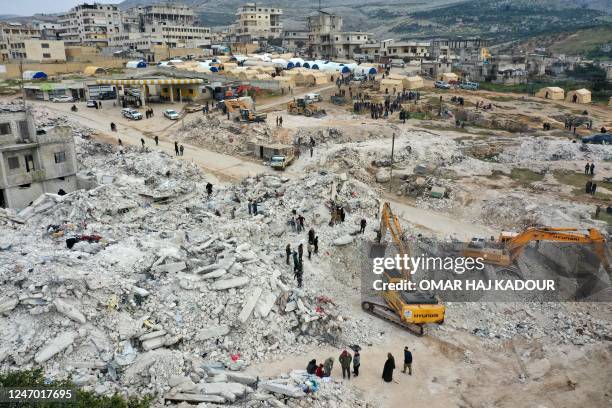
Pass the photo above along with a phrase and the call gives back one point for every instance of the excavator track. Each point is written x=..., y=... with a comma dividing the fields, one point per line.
x=381, y=310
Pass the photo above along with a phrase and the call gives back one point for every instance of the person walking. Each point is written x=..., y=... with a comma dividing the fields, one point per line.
x=301, y=251
x=120, y=142
x=250, y=207
x=209, y=189
x=176, y=149
x=328, y=367
x=593, y=189
x=586, y=168
x=310, y=250
x=345, y=361
x=387, y=374
x=356, y=363
x=315, y=243
x=143, y=142
x=597, y=210
x=363, y=224
x=407, y=361
x=592, y=169
x=254, y=207
x=287, y=251
x=296, y=261
x=156, y=140
x=311, y=235
x=280, y=121
x=300, y=222
x=589, y=184
x=181, y=150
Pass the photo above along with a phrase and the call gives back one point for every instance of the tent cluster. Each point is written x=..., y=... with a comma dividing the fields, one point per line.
x=401, y=82
x=556, y=93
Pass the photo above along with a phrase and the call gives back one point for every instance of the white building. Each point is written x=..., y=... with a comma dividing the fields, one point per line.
x=23, y=42
x=386, y=50
x=90, y=24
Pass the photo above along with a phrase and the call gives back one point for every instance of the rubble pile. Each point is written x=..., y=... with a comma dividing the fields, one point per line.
x=143, y=278
x=217, y=134
x=336, y=135
x=544, y=149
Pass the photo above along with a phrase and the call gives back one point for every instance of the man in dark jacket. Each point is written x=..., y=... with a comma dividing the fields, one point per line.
x=345, y=361
x=287, y=250
x=363, y=226
x=407, y=361
x=311, y=368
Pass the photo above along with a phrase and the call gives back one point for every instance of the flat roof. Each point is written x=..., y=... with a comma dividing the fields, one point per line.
x=150, y=81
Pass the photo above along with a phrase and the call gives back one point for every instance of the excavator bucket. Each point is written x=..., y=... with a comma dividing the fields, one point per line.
x=378, y=249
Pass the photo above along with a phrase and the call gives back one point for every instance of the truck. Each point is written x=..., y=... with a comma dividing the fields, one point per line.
x=281, y=161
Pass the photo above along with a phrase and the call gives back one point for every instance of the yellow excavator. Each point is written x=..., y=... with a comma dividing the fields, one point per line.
x=411, y=310
x=510, y=245
x=305, y=107
x=240, y=112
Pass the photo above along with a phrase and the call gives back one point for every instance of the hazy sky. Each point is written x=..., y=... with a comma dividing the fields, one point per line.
x=29, y=7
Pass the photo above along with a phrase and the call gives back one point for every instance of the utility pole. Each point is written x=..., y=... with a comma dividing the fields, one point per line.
x=21, y=84
x=391, y=171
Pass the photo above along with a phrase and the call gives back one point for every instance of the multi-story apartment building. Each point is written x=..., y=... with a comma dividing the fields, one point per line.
x=33, y=162
x=386, y=50
x=256, y=22
x=170, y=25
x=327, y=40
x=23, y=42
x=90, y=24
x=295, y=39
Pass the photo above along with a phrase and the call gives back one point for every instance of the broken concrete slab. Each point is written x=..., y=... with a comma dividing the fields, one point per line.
x=152, y=335
x=153, y=344
x=7, y=304
x=284, y=389
x=227, y=388
x=213, y=332
x=230, y=283
x=249, y=304
x=170, y=267
x=194, y=398
x=214, y=274
x=265, y=303
x=69, y=311
x=343, y=240
x=241, y=378
x=58, y=344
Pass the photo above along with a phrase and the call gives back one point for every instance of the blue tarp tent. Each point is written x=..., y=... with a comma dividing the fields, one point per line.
x=29, y=75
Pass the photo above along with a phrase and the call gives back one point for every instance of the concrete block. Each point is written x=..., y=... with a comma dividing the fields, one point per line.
x=240, y=378
x=69, y=310
x=213, y=332
x=152, y=335
x=153, y=344
x=58, y=344
x=7, y=304
x=343, y=240
x=230, y=283
x=214, y=274
x=228, y=389
x=249, y=304
x=265, y=303
x=194, y=398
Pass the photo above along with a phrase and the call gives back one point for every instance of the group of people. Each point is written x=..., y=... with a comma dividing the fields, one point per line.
x=279, y=121
x=149, y=113
x=591, y=186
x=298, y=256
x=546, y=126
x=322, y=370
x=206, y=109
x=178, y=150
x=481, y=104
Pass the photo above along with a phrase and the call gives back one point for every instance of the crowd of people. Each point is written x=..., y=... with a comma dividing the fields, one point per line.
x=345, y=359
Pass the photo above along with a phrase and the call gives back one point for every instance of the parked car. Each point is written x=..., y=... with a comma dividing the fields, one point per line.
x=193, y=107
x=469, y=85
x=442, y=85
x=171, y=114
x=131, y=114
x=315, y=97
x=91, y=103
x=599, y=138
x=64, y=98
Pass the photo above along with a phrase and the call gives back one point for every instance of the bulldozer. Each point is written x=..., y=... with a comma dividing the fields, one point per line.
x=510, y=245
x=240, y=112
x=305, y=107
x=408, y=309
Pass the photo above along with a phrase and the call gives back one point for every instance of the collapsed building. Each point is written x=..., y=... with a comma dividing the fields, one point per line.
x=33, y=161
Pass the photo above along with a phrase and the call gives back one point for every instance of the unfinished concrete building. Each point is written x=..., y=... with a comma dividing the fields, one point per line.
x=256, y=22
x=33, y=162
x=327, y=40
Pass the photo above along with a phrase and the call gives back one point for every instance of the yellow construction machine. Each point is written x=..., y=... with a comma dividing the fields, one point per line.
x=240, y=112
x=304, y=107
x=510, y=245
x=411, y=310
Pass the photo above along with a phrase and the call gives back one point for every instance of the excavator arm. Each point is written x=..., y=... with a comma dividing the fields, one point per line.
x=389, y=222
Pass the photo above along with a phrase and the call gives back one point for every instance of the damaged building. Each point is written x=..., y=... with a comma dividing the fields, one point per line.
x=33, y=162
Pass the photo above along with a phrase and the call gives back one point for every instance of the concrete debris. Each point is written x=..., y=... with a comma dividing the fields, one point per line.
x=8, y=304
x=57, y=345
x=69, y=311
x=249, y=305
x=213, y=332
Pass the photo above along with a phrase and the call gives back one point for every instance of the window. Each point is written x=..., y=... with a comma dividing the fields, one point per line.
x=44, y=45
x=5, y=128
x=13, y=163
x=24, y=130
x=46, y=55
x=29, y=160
x=60, y=157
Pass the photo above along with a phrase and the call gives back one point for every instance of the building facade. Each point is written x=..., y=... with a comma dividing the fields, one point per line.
x=23, y=42
x=294, y=39
x=386, y=50
x=327, y=40
x=90, y=24
x=33, y=163
x=256, y=22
